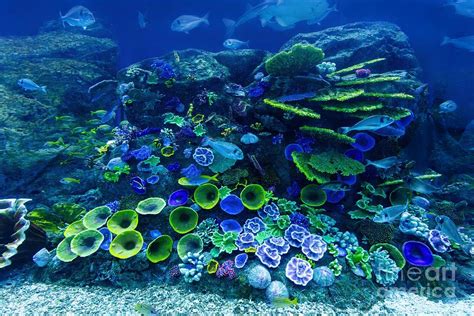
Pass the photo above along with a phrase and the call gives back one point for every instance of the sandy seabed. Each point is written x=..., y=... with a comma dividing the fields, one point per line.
x=55, y=299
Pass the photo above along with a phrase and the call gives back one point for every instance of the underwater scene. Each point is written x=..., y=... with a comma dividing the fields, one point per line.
x=237, y=157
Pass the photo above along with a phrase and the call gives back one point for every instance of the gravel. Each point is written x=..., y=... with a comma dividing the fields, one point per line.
x=54, y=299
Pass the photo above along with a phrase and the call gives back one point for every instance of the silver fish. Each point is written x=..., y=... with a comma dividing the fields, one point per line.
x=142, y=22
x=385, y=163
x=250, y=14
x=30, y=85
x=370, y=123
x=421, y=202
x=78, y=16
x=466, y=42
x=233, y=43
x=42, y=257
x=186, y=23
x=448, y=106
x=420, y=186
x=463, y=7
x=389, y=214
x=447, y=227
x=225, y=149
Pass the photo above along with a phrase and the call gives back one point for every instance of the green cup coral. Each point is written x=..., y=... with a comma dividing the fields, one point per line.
x=74, y=228
x=122, y=221
x=253, y=197
x=206, y=196
x=313, y=196
x=64, y=252
x=297, y=60
x=96, y=217
x=189, y=243
x=183, y=219
x=151, y=206
x=86, y=242
x=159, y=249
x=126, y=244
x=393, y=251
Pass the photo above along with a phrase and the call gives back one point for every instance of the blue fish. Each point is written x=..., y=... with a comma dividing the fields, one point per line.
x=296, y=97
x=78, y=16
x=30, y=85
x=389, y=214
x=371, y=123
x=225, y=149
x=385, y=163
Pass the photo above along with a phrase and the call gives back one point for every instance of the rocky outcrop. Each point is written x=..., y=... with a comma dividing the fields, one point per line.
x=350, y=44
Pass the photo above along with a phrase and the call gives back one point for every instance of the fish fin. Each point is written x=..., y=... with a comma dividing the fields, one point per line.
x=282, y=22
x=205, y=19
x=214, y=178
x=43, y=89
x=446, y=40
x=62, y=19
x=369, y=162
x=344, y=130
x=229, y=25
x=205, y=141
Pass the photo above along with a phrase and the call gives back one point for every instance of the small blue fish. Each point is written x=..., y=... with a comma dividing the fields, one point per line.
x=296, y=97
x=385, y=163
x=78, y=16
x=186, y=23
x=142, y=22
x=30, y=85
x=233, y=44
x=448, y=107
x=225, y=149
x=249, y=138
x=371, y=123
x=389, y=214
x=421, y=202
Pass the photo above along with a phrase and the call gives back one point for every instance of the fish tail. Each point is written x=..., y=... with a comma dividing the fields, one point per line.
x=205, y=19
x=230, y=26
x=344, y=130
x=214, y=178
x=205, y=141
x=43, y=89
x=369, y=162
x=446, y=40
x=61, y=17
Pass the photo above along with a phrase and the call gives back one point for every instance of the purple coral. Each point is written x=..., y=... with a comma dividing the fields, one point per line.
x=299, y=219
x=203, y=156
x=279, y=244
x=362, y=73
x=268, y=255
x=299, y=271
x=226, y=270
x=314, y=247
x=245, y=241
x=439, y=241
x=138, y=185
x=191, y=171
x=295, y=235
x=178, y=198
x=254, y=225
x=363, y=142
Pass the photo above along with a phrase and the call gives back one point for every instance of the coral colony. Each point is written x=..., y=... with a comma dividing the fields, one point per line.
x=204, y=195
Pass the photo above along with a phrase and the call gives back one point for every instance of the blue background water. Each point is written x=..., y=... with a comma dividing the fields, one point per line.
x=426, y=22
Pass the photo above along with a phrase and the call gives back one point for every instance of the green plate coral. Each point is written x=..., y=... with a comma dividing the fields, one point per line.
x=58, y=218
x=183, y=219
x=122, y=221
x=96, y=217
x=253, y=196
x=126, y=244
x=327, y=134
x=297, y=60
x=159, y=249
x=206, y=196
x=393, y=251
x=63, y=250
x=74, y=228
x=189, y=243
x=86, y=242
x=312, y=195
x=151, y=206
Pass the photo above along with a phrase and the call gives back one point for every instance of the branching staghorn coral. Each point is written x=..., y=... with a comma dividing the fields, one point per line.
x=291, y=109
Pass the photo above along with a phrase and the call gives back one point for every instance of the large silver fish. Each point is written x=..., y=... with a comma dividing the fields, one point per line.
x=420, y=186
x=447, y=226
x=389, y=214
x=78, y=16
x=30, y=85
x=370, y=123
x=225, y=149
x=250, y=14
x=186, y=23
x=463, y=7
x=466, y=42
x=385, y=163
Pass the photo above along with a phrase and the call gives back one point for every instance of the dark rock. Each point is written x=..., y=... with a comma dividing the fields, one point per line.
x=351, y=44
x=241, y=63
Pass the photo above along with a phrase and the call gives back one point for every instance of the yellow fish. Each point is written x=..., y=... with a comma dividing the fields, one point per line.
x=69, y=180
x=59, y=142
x=284, y=302
x=99, y=113
x=197, y=181
x=145, y=309
x=64, y=118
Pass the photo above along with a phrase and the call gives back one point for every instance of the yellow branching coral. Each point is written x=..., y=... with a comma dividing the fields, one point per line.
x=355, y=67
x=292, y=109
x=294, y=61
x=327, y=134
x=337, y=95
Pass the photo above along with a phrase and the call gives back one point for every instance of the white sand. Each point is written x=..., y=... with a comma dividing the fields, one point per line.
x=40, y=298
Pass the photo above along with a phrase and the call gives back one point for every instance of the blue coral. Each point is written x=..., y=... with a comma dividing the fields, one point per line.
x=295, y=235
x=203, y=156
x=142, y=153
x=268, y=255
x=246, y=240
x=192, y=266
x=384, y=268
x=438, y=241
x=271, y=210
x=279, y=244
x=323, y=276
x=299, y=219
x=299, y=271
x=254, y=225
x=412, y=225
x=345, y=241
x=314, y=247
